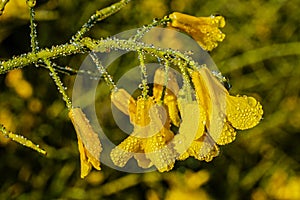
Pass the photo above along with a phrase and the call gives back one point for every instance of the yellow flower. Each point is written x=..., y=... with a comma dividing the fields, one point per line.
x=212, y=118
x=224, y=112
x=88, y=142
x=192, y=139
x=205, y=30
x=148, y=143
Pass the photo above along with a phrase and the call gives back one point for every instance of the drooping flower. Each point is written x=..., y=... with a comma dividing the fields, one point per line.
x=149, y=141
x=192, y=139
x=212, y=118
x=224, y=113
x=205, y=30
x=88, y=142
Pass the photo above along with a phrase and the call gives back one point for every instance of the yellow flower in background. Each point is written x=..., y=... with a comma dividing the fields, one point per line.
x=148, y=143
x=16, y=80
x=88, y=142
x=205, y=30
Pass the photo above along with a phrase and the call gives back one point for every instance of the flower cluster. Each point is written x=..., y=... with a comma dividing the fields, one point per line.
x=204, y=112
x=208, y=116
x=201, y=109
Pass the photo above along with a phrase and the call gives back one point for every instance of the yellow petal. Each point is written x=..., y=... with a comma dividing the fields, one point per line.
x=204, y=148
x=88, y=141
x=125, y=150
x=193, y=119
x=161, y=79
x=181, y=146
x=124, y=102
x=143, y=106
x=202, y=92
x=150, y=137
x=224, y=112
x=171, y=103
x=170, y=92
x=243, y=112
x=156, y=145
x=159, y=152
x=192, y=124
x=211, y=96
x=205, y=30
x=142, y=160
x=85, y=166
x=228, y=134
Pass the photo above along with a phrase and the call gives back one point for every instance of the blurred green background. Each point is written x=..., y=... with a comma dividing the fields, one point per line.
x=260, y=55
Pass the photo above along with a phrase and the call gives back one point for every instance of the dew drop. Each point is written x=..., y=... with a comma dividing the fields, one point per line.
x=141, y=86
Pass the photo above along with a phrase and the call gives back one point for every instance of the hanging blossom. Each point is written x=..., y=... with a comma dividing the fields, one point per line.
x=149, y=143
x=205, y=30
x=88, y=142
x=211, y=118
x=192, y=138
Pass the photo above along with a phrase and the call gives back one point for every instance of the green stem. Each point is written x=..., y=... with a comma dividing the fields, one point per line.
x=58, y=83
x=143, y=73
x=33, y=32
x=85, y=45
x=98, y=16
x=103, y=72
x=21, y=140
x=31, y=57
x=142, y=31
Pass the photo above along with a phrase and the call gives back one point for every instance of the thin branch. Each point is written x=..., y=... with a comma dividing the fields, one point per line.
x=144, y=76
x=143, y=30
x=33, y=32
x=98, y=16
x=21, y=140
x=86, y=45
x=31, y=57
x=58, y=83
x=103, y=72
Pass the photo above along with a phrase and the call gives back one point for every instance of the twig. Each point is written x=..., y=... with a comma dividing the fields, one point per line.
x=21, y=140
x=98, y=16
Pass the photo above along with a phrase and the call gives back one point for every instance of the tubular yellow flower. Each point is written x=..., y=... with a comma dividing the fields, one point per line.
x=224, y=112
x=192, y=139
x=88, y=142
x=148, y=143
x=205, y=30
